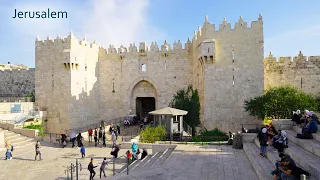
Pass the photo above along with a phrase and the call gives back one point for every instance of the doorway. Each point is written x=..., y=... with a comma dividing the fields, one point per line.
x=144, y=105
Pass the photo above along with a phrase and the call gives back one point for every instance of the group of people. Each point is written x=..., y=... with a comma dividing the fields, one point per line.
x=308, y=121
x=9, y=149
x=269, y=136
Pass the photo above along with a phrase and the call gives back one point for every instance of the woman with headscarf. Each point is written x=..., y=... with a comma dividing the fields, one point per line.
x=262, y=135
x=281, y=142
x=296, y=117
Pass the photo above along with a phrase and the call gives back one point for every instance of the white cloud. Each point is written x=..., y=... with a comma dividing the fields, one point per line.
x=116, y=22
x=289, y=43
x=107, y=21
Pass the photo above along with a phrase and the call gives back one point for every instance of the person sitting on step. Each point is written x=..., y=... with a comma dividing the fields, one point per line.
x=296, y=117
x=144, y=153
x=310, y=128
x=281, y=142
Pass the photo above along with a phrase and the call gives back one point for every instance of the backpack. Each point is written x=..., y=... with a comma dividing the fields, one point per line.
x=12, y=148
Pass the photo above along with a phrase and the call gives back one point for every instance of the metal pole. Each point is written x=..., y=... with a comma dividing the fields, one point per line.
x=77, y=169
x=127, y=166
x=114, y=166
x=71, y=171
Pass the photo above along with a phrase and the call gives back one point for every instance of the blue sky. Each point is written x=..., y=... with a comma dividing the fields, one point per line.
x=289, y=26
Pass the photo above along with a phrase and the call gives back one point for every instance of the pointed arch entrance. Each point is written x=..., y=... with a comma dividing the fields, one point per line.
x=144, y=98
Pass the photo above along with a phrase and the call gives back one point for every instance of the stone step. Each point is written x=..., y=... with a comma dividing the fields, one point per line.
x=310, y=145
x=152, y=160
x=163, y=157
x=141, y=163
x=261, y=165
x=316, y=136
x=15, y=138
x=300, y=156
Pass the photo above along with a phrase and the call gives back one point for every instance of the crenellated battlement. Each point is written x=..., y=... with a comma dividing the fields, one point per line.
x=226, y=27
x=300, y=62
x=70, y=39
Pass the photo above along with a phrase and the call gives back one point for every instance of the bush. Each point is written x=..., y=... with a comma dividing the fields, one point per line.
x=210, y=136
x=279, y=102
x=151, y=134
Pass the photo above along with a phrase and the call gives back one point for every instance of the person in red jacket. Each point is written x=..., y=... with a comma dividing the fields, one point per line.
x=90, y=135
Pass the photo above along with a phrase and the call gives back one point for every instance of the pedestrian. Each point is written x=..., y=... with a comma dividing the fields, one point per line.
x=9, y=149
x=100, y=135
x=73, y=136
x=114, y=151
x=83, y=152
x=79, y=139
x=95, y=137
x=63, y=139
x=104, y=139
x=38, y=152
x=90, y=135
x=91, y=169
x=118, y=128
x=114, y=138
x=103, y=166
x=262, y=135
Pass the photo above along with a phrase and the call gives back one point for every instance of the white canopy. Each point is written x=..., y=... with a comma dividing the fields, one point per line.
x=169, y=111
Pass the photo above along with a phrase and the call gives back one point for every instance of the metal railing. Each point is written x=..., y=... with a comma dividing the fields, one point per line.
x=250, y=128
x=17, y=99
x=187, y=128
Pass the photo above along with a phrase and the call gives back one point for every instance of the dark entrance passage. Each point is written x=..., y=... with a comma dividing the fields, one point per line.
x=145, y=105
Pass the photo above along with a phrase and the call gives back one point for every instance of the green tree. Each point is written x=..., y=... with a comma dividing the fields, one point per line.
x=279, y=102
x=152, y=134
x=188, y=100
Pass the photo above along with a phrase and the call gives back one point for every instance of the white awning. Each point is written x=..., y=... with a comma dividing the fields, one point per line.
x=169, y=111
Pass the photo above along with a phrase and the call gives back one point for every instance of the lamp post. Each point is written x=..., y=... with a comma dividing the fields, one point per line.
x=113, y=91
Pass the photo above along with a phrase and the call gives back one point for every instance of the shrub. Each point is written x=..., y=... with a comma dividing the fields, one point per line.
x=151, y=134
x=210, y=136
x=279, y=102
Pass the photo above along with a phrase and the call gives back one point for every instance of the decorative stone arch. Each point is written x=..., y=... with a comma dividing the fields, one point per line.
x=131, y=91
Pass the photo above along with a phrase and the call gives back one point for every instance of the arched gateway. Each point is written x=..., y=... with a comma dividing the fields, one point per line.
x=143, y=97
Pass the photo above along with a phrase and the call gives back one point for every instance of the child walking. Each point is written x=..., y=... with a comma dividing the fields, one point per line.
x=83, y=152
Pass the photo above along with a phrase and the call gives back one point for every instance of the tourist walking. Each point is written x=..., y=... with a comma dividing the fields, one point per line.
x=103, y=166
x=114, y=138
x=100, y=135
x=95, y=136
x=91, y=169
x=118, y=128
x=9, y=149
x=63, y=139
x=79, y=139
x=38, y=152
x=262, y=135
x=83, y=152
x=90, y=135
x=73, y=136
x=104, y=139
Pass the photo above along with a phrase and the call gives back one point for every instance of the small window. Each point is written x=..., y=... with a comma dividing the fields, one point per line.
x=232, y=55
x=165, y=65
x=143, y=67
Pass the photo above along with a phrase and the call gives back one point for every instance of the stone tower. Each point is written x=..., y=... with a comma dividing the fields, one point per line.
x=227, y=69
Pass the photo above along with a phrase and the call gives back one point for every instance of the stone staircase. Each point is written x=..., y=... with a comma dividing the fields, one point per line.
x=20, y=143
x=305, y=152
x=149, y=162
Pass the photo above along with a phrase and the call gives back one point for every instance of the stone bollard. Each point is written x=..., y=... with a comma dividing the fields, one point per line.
x=237, y=141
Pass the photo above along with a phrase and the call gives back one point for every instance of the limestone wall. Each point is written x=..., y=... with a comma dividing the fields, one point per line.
x=16, y=82
x=166, y=72
x=232, y=64
x=301, y=72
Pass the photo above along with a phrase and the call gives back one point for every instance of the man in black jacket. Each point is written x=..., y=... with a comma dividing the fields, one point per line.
x=91, y=169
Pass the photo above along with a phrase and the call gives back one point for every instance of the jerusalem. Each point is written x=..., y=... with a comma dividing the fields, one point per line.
x=160, y=90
